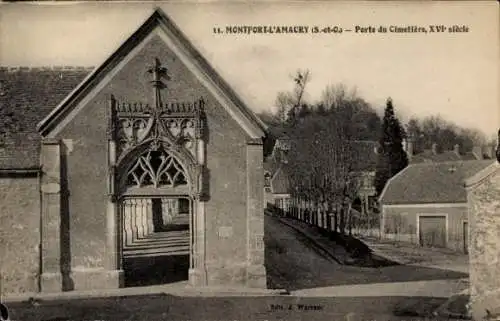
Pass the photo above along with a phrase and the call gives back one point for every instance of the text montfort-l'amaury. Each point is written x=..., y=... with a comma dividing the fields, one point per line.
x=411, y=29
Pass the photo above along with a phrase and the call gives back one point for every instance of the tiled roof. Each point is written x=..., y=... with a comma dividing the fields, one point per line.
x=432, y=182
x=27, y=95
x=270, y=165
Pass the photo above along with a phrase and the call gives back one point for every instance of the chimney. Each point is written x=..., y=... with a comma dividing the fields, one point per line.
x=456, y=149
x=478, y=152
x=434, y=148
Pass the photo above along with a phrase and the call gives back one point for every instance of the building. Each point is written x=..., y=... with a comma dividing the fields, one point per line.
x=278, y=194
x=483, y=202
x=365, y=154
x=277, y=183
x=434, y=154
x=150, y=160
x=426, y=204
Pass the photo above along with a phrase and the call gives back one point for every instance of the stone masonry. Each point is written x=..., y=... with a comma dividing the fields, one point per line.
x=483, y=193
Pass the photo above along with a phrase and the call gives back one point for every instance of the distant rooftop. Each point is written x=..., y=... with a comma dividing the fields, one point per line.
x=432, y=182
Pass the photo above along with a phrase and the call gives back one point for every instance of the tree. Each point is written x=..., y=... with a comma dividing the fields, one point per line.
x=435, y=129
x=301, y=80
x=322, y=157
x=392, y=157
x=284, y=102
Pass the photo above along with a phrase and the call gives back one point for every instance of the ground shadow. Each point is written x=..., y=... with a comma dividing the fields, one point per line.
x=65, y=231
x=155, y=270
x=173, y=227
x=293, y=262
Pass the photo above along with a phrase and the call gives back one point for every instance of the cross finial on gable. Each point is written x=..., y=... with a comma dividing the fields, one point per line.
x=158, y=72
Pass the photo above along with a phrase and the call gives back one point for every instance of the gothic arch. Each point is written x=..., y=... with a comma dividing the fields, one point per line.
x=167, y=164
x=154, y=139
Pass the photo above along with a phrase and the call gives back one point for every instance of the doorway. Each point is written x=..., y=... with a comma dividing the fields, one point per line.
x=432, y=230
x=156, y=239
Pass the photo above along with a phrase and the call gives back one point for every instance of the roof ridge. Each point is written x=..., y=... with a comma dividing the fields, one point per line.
x=45, y=68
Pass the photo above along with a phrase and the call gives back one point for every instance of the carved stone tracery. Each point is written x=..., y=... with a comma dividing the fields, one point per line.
x=156, y=169
x=156, y=145
x=177, y=124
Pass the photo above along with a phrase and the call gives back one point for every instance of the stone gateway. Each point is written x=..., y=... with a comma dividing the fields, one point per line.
x=149, y=171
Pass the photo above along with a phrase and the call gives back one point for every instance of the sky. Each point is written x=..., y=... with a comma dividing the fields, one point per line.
x=455, y=75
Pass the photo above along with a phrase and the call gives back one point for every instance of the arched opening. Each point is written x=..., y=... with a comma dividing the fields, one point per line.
x=156, y=211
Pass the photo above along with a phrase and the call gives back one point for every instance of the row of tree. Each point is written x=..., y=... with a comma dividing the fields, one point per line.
x=435, y=130
x=325, y=160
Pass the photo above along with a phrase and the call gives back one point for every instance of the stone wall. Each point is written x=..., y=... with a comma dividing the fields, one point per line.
x=19, y=234
x=483, y=192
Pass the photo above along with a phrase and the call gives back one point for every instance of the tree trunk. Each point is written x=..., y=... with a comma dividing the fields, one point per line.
x=328, y=211
x=349, y=217
x=342, y=220
x=336, y=218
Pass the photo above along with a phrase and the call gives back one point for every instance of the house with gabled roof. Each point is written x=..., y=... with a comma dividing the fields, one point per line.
x=426, y=204
x=150, y=157
x=277, y=183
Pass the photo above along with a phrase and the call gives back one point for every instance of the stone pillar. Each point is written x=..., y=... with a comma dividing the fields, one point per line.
x=149, y=216
x=483, y=198
x=198, y=273
x=51, y=277
x=169, y=209
x=112, y=223
x=139, y=218
x=127, y=222
x=113, y=277
x=256, y=271
x=143, y=217
x=135, y=227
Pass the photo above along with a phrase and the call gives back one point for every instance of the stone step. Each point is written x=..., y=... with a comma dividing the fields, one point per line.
x=162, y=251
x=136, y=246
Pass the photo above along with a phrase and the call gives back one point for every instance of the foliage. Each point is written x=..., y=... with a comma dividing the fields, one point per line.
x=445, y=134
x=290, y=104
x=323, y=155
x=392, y=157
